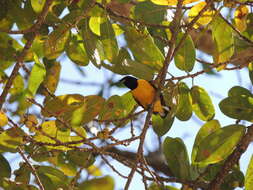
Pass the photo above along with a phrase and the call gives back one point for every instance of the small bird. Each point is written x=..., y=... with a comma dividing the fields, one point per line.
x=143, y=93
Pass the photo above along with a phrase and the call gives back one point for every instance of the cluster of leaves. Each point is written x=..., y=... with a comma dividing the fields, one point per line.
x=87, y=32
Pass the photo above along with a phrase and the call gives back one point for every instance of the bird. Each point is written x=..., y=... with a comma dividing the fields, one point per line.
x=143, y=92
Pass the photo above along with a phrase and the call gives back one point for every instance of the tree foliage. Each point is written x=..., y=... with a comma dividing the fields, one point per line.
x=54, y=134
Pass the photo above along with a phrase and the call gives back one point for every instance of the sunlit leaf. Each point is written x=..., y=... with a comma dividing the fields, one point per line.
x=202, y=104
x=76, y=51
x=149, y=53
x=95, y=24
x=204, y=19
x=240, y=15
x=94, y=170
x=10, y=139
x=176, y=156
x=38, y=5
x=36, y=77
x=185, y=56
x=206, y=129
x=249, y=175
x=184, y=102
x=172, y=2
x=18, y=85
x=224, y=40
x=3, y=119
x=219, y=144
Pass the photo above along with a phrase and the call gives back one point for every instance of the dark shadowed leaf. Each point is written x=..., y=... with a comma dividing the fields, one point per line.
x=219, y=144
x=239, y=91
x=162, y=126
x=177, y=158
x=105, y=183
x=202, y=104
x=82, y=159
x=250, y=67
x=5, y=168
x=238, y=107
x=184, y=102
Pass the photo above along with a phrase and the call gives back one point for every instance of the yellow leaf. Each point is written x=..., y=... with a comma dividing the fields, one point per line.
x=204, y=19
x=94, y=170
x=172, y=2
x=241, y=13
x=3, y=119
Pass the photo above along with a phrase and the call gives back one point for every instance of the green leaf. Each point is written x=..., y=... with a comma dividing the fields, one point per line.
x=232, y=180
x=185, y=56
x=55, y=43
x=184, y=102
x=82, y=159
x=23, y=174
x=206, y=129
x=177, y=158
x=95, y=24
x=108, y=40
x=238, y=107
x=10, y=139
x=202, y=103
x=224, y=40
x=38, y=5
x=162, y=126
x=149, y=12
x=105, y=183
x=5, y=168
x=36, y=77
x=249, y=175
x=76, y=51
x=18, y=85
x=250, y=67
x=219, y=144
x=51, y=177
x=155, y=186
x=3, y=119
x=149, y=54
x=239, y=91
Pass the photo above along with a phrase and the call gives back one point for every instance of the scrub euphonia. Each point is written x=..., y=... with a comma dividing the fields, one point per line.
x=144, y=92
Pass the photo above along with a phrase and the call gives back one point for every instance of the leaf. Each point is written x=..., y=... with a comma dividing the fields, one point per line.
x=250, y=68
x=202, y=104
x=155, y=186
x=90, y=108
x=177, y=158
x=185, y=56
x=162, y=126
x=94, y=170
x=53, y=71
x=82, y=159
x=5, y=168
x=51, y=177
x=238, y=107
x=76, y=51
x=3, y=119
x=224, y=40
x=10, y=139
x=95, y=24
x=149, y=54
x=219, y=145
x=249, y=175
x=232, y=180
x=55, y=43
x=36, y=77
x=23, y=174
x=18, y=85
x=38, y=5
x=105, y=183
x=184, y=102
x=205, y=18
x=172, y=2
x=240, y=15
x=239, y=91
x=206, y=129
x=108, y=40
x=149, y=12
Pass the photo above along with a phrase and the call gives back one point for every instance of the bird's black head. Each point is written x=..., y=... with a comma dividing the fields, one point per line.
x=130, y=82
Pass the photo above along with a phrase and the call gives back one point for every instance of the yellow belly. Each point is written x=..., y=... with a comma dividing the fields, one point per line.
x=144, y=95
